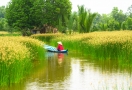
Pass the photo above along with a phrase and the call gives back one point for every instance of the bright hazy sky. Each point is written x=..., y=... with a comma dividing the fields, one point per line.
x=100, y=6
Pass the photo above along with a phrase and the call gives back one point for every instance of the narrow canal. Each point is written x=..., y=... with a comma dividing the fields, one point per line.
x=75, y=72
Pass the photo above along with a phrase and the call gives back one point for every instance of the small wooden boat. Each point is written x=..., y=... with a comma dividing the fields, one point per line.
x=62, y=51
x=54, y=49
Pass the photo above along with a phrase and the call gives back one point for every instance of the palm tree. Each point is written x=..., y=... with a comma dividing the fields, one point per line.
x=85, y=19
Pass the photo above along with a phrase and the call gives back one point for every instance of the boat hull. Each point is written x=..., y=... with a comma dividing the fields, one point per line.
x=54, y=49
x=62, y=51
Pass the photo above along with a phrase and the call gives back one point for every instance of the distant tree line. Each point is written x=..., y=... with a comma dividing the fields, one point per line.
x=3, y=21
x=116, y=20
x=25, y=15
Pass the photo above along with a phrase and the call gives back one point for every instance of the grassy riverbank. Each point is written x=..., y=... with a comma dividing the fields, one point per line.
x=16, y=55
x=18, y=52
x=107, y=45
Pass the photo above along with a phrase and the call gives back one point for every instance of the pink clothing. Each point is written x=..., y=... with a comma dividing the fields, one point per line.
x=60, y=47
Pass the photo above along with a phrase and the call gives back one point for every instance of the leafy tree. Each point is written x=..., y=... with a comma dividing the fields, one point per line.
x=3, y=21
x=85, y=19
x=129, y=11
x=72, y=22
x=113, y=25
x=100, y=22
x=124, y=26
x=82, y=14
x=97, y=18
x=3, y=24
x=119, y=16
x=25, y=14
x=129, y=23
x=96, y=23
x=2, y=11
x=57, y=12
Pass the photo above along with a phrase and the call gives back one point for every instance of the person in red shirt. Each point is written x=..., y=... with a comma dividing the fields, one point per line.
x=60, y=46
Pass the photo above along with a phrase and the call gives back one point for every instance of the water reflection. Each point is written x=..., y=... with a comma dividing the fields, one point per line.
x=57, y=70
x=57, y=67
x=60, y=58
x=65, y=72
x=82, y=74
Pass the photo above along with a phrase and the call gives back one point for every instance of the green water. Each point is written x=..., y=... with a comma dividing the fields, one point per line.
x=75, y=72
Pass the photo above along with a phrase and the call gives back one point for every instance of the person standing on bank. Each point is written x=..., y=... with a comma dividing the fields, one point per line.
x=60, y=46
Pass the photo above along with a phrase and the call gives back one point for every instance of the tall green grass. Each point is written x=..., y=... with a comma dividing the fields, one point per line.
x=5, y=33
x=16, y=56
x=14, y=72
x=45, y=37
x=114, y=45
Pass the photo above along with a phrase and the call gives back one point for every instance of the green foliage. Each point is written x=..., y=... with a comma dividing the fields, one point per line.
x=129, y=11
x=3, y=24
x=123, y=26
x=85, y=19
x=129, y=23
x=72, y=22
x=14, y=72
x=25, y=14
x=89, y=21
x=2, y=11
x=113, y=21
x=113, y=25
x=118, y=16
x=56, y=12
x=3, y=21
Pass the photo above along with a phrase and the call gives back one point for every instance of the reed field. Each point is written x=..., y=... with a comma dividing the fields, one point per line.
x=16, y=55
x=106, y=45
x=46, y=37
x=5, y=33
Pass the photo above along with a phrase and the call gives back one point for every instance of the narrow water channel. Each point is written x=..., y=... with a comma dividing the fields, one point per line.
x=74, y=72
